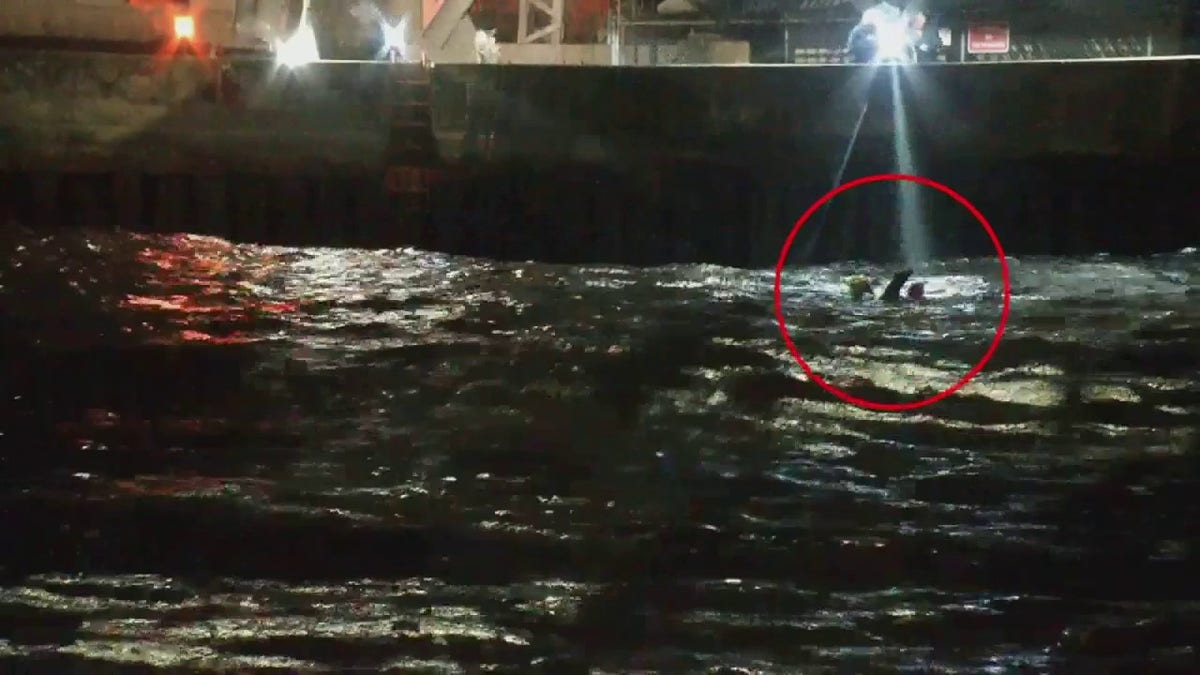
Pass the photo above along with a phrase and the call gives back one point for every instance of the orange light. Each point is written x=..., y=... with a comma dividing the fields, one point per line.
x=185, y=27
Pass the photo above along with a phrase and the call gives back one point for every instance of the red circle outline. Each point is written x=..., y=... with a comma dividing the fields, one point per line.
x=787, y=338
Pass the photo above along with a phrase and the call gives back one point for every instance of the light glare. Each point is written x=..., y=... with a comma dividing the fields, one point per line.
x=298, y=50
x=893, y=40
x=393, y=38
x=185, y=27
x=894, y=44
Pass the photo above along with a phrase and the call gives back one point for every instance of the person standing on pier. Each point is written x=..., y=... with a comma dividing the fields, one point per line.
x=863, y=43
x=924, y=38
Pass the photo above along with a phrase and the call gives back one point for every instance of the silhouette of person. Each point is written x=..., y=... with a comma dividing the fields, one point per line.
x=863, y=43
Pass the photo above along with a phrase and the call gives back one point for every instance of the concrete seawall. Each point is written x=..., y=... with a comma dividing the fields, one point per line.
x=136, y=112
x=993, y=111
x=637, y=165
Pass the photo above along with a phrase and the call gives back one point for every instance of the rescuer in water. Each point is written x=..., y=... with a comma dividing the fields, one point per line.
x=860, y=287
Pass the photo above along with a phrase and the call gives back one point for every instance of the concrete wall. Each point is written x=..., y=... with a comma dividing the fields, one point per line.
x=639, y=165
x=57, y=104
x=716, y=163
x=131, y=110
x=103, y=19
x=993, y=111
x=726, y=52
x=562, y=54
x=115, y=20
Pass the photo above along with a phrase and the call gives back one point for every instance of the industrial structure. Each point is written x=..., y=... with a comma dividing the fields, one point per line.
x=600, y=32
x=386, y=100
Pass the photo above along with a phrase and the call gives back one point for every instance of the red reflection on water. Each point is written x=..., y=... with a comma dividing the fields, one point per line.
x=279, y=307
x=175, y=303
x=180, y=486
x=197, y=336
x=100, y=430
x=209, y=290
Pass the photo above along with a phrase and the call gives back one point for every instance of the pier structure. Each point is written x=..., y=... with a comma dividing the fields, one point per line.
x=596, y=163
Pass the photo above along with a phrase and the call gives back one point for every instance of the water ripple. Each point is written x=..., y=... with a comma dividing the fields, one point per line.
x=233, y=457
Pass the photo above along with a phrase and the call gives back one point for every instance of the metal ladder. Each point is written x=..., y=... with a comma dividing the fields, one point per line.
x=412, y=152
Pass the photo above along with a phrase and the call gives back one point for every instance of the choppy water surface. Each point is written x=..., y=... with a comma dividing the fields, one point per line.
x=217, y=456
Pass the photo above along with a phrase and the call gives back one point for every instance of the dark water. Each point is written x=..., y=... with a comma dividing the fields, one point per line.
x=222, y=457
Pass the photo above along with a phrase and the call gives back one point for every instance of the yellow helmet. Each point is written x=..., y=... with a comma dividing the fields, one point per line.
x=859, y=287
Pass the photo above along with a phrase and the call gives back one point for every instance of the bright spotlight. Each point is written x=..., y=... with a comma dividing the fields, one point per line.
x=894, y=44
x=298, y=50
x=394, y=45
x=185, y=27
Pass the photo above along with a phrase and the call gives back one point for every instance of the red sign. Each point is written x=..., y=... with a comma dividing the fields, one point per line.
x=987, y=38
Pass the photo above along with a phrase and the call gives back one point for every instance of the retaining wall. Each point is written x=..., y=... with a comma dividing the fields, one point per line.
x=131, y=112
x=991, y=111
x=638, y=165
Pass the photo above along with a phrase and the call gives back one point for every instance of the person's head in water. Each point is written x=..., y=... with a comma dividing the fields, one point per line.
x=860, y=287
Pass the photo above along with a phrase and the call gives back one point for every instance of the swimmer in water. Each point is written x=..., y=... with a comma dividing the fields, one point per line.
x=860, y=287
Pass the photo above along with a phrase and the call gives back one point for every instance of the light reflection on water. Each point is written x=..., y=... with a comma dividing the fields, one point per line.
x=225, y=456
